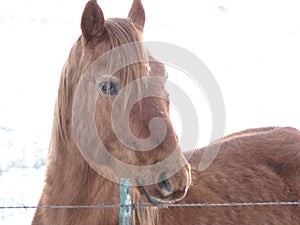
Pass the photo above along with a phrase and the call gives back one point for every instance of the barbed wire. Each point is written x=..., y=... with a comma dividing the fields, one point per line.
x=164, y=205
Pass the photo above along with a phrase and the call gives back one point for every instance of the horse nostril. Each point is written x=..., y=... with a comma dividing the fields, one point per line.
x=164, y=185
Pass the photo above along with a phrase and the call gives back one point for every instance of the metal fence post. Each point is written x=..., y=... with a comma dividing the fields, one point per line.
x=125, y=202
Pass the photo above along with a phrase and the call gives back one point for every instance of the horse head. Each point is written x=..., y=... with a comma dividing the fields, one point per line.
x=120, y=108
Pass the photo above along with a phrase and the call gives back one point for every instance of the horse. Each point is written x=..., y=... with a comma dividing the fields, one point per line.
x=255, y=165
x=89, y=150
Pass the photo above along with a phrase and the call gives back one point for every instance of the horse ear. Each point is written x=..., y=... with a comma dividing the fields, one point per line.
x=92, y=21
x=137, y=14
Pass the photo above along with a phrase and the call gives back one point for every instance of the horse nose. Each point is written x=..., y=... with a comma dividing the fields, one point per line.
x=175, y=187
x=170, y=189
x=164, y=185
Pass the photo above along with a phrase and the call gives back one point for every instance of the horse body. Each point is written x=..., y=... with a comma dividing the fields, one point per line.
x=255, y=165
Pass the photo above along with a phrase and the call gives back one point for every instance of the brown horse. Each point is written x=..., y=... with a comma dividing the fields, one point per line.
x=81, y=171
x=257, y=165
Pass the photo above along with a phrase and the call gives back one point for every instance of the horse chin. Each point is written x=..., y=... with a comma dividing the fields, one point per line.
x=171, y=198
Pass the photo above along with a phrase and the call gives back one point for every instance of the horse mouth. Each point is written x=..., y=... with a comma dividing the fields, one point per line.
x=168, y=189
x=167, y=197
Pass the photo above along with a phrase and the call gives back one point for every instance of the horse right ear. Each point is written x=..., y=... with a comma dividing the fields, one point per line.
x=92, y=21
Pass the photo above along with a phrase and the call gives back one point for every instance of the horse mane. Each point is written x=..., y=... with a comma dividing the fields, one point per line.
x=123, y=32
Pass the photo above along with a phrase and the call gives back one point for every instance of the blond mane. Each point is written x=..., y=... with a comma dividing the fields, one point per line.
x=122, y=32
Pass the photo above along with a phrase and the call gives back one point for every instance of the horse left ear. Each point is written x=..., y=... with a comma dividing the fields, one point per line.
x=137, y=14
x=92, y=21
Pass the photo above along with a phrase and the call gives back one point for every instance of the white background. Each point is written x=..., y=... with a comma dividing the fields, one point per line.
x=251, y=47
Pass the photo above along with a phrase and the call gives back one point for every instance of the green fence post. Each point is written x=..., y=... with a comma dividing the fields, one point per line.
x=125, y=202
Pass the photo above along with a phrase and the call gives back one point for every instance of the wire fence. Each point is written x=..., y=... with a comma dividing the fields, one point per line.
x=163, y=205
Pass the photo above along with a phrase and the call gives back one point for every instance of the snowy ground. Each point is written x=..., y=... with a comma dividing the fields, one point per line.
x=251, y=47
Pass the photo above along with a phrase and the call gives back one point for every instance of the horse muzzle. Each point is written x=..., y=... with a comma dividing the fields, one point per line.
x=169, y=190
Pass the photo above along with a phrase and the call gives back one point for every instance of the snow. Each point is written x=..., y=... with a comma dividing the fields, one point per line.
x=20, y=187
x=251, y=47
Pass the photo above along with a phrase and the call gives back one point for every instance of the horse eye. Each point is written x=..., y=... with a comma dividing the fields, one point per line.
x=109, y=88
x=103, y=87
